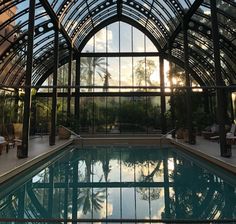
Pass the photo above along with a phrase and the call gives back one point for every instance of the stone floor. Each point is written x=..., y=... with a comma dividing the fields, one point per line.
x=9, y=163
x=37, y=146
x=211, y=151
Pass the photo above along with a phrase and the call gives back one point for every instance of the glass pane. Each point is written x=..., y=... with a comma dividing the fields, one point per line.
x=89, y=47
x=153, y=114
x=138, y=41
x=152, y=72
x=100, y=114
x=126, y=72
x=113, y=72
x=100, y=40
x=139, y=71
x=150, y=47
x=166, y=75
x=125, y=40
x=113, y=115
x=86, y=114
x=113, y=37
x=101, y=76
x=87, y=68
x=139, y=115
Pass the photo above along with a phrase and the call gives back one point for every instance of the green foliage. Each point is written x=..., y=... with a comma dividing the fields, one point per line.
x=10, y=111
x=200, y=118
x=143, y=70
x=133, y=114
x=179, y=105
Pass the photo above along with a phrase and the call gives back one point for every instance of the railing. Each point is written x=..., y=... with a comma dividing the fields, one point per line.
x=72, y=132
x=165, y=135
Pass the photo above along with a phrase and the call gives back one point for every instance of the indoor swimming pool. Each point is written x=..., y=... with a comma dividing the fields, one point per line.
x=105, y=184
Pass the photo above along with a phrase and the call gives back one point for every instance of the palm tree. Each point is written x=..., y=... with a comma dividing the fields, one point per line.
x=88, y=198
x=94, y=65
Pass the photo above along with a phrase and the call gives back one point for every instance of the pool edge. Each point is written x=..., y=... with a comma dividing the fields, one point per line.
x=13, y=172
x=27, y=164
x=209, y=158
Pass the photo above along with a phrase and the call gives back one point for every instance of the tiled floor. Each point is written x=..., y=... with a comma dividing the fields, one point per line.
x=37, y=146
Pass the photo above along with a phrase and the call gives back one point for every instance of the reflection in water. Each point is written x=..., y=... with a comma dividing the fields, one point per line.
x=121, y=183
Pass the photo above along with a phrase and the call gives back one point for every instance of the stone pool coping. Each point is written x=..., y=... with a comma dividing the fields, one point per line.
x=32, y=161
x=203, y=154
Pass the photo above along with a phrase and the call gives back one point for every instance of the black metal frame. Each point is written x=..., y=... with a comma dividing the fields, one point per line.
x=201, y=56
x=27, y=99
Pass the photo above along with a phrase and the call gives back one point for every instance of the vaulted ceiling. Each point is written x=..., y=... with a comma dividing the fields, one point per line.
x=161, y=21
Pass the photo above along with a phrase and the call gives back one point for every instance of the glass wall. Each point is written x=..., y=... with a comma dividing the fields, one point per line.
x=119, y=93
x=121, y=114
x=119, y=74
x=112, y=39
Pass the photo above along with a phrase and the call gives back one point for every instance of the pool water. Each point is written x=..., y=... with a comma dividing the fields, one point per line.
x=119, y=182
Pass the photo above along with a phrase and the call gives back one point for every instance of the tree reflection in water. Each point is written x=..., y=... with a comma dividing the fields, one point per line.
x=150, y=193
x=68, y=186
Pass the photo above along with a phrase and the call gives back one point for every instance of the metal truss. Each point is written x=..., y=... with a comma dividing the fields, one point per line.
x=77, y=21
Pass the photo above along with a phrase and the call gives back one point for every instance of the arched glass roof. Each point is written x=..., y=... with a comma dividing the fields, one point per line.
x=161, y=21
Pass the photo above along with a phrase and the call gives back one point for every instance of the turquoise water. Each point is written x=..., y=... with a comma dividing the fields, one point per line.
x=121, y=183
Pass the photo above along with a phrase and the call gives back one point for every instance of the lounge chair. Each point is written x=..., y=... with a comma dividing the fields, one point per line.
x=211, y=131
x=231, y=133
x=230, y=136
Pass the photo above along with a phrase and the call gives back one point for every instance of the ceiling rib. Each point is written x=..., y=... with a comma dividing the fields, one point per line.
x=56, y=22
x=186, y=18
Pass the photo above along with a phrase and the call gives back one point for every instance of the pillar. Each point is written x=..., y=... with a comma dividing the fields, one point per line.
x=52, y=137
x=69, y=86
x=163, y=101
x=172, y=109
x=77, y=91
x=23, y=153
x=225, y=150
x=191, y=138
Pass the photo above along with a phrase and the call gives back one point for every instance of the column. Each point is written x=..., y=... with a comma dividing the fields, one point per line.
x=172, y=109
x=77, y=91
x=191, y=138
x=225, y=150
x=69, y=86
x=163, y=101
x=52, y=137
x=16, y=104
x=23, y=153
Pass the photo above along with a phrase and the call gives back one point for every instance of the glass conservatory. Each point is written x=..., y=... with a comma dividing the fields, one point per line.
x=118, y=67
